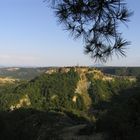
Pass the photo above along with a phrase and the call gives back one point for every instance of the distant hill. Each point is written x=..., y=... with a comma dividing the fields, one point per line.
x=21, y=73
x=65, y=103
x=121, y=71
x=30, y=73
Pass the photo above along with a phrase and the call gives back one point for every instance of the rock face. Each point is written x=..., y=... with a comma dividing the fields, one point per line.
x=7, y=80
x=83, y=84
x=24, y=101
x=82, y=89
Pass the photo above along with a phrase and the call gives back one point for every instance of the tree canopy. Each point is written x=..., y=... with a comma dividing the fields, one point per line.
x=97, y=22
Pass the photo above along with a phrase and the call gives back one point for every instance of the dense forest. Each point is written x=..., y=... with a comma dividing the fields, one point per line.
x=70, y=103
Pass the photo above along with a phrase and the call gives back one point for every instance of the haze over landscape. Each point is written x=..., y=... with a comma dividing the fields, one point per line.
x=49, y=88
x=31, y=36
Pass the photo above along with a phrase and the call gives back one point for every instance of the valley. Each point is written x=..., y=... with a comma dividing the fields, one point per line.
x=69, y=103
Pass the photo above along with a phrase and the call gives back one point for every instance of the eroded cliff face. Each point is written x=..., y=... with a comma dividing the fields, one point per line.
x=84, y=84
x=7, y=80
x=24, y=101
x=82, y=89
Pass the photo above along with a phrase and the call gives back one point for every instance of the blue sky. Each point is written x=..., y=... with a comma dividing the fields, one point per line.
x=31, y=36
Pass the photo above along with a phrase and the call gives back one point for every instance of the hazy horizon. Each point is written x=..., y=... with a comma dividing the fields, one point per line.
x=30, y=36
x=33, y=66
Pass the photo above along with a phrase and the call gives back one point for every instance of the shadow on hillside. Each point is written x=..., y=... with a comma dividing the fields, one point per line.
x=120, y=118
x=30, y=124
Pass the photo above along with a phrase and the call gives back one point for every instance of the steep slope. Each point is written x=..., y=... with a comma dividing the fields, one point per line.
x=69, y=88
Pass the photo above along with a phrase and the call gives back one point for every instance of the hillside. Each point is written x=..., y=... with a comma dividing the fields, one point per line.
x=25, y=73
x=7, y=80
x=64, y=103
x=21, y=72
x=70, y=88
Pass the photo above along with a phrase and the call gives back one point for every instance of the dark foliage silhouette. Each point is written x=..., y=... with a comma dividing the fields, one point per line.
x=97, y=22
x=120, y=117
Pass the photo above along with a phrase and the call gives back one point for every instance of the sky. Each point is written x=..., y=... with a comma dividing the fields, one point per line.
x=31, y=36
